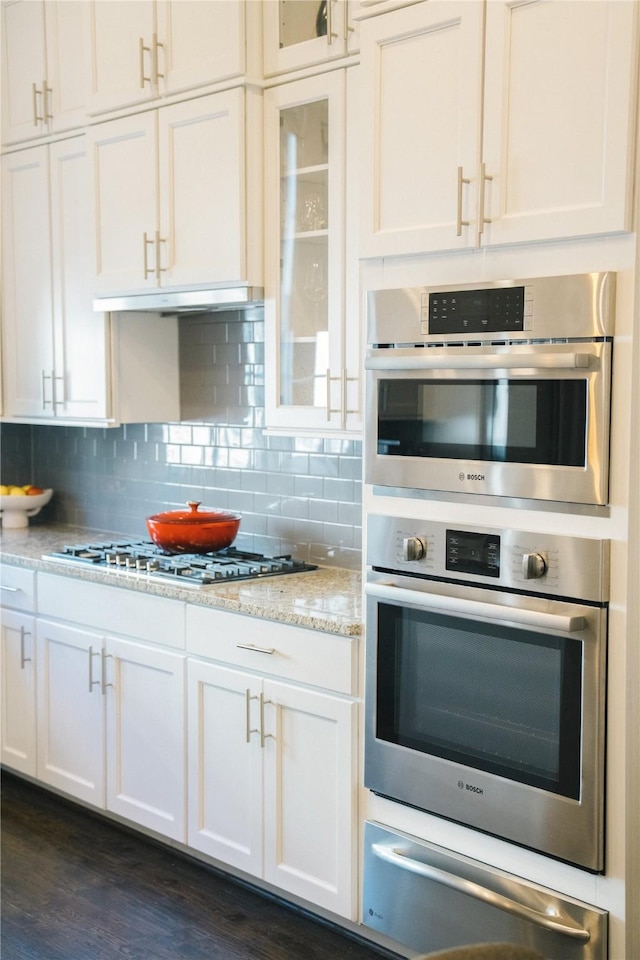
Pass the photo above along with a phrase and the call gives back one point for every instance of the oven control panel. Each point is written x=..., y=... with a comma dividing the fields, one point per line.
x=548, y=564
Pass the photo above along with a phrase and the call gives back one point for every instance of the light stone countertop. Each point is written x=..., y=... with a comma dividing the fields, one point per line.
x=327, y=599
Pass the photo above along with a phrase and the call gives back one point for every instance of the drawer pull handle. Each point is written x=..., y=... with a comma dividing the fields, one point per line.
x=10, y=589
x=252, y=646
x=92, y=683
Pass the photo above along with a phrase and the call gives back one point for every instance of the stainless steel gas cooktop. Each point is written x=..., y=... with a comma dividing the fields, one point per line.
x=144, y=560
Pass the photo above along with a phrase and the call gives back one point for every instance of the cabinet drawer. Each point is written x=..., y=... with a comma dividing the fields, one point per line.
x=112, y=610
x=17, y=588
x=292, y=653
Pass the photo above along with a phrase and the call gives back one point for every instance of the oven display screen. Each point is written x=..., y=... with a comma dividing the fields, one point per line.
x=477, y=553
x=477, y=311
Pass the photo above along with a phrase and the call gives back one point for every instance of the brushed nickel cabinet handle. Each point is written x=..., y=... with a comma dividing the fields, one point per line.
x=159, y=269
x=45, y=377
x=249, y=728
x=331, y=36
x=145, y=244
x=23, y=633
x=92, y=683
x=10, y=589
x=346, y=380
x=103, y=659
x=46, y=90
x=63, y=400
x=254, y=648
x=460, y=223
x=156, y=46
x=142, y=50
x=264, y=736
x=36, y=116
x=329, y=409
x=484, y=177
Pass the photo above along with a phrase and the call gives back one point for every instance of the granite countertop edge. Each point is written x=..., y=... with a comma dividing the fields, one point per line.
x=327, y=599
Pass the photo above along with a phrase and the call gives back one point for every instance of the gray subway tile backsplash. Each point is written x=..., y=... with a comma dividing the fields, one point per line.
x=297, y=494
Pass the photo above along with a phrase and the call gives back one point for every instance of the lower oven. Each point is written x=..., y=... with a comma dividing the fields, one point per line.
x=486, y=680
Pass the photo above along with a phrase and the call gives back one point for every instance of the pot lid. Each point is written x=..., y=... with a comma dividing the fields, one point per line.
x=195, y=516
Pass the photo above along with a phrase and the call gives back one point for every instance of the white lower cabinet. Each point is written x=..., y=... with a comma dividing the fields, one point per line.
x=18, y=675
x=111, y=724
x=272, y=764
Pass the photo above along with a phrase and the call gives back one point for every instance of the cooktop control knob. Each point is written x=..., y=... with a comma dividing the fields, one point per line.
x=534, y=566
x=413, y=548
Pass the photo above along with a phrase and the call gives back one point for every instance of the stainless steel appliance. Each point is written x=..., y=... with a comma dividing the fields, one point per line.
x=486, y=680
x=430, y=899
x=492, y=388
x=143, y=559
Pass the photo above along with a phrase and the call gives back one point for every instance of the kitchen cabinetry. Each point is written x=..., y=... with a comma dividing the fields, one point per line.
x=544, y=152
x=111, y=709
x=272, y=763
x=63, y=362
x=302, y=33
x=173, y=196
x=18, y=671
x=311, y=347
x=45, y=67
x=145, y=49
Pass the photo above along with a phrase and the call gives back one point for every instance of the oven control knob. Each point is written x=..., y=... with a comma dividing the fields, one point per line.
x=534, y=566
x=413, y=548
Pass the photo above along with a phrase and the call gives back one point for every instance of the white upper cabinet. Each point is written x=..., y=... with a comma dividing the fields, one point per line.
x=302, y=33
x=514, y=131
x=62, y=362
x=45, y=67
x=145, y=49
x=559, y=115
x=172, y=194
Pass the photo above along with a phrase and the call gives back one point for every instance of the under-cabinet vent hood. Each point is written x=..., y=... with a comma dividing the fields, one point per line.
x=183, y=301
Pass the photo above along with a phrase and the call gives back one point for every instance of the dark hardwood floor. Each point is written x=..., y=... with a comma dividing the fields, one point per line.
x=76, y=887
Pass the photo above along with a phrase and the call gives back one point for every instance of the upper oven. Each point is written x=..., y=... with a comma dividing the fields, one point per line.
x=501, y=389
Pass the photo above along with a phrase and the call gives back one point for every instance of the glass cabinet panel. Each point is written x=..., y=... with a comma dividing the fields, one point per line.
x=304, y=257
x=301, y=20
x=304, y=224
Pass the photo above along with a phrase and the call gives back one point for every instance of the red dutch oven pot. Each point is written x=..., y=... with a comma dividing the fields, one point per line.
x=193, y=530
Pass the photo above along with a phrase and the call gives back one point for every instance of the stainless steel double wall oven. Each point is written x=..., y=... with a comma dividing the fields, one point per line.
x=486, y=645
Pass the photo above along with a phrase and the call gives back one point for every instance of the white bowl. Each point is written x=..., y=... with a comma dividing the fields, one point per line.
x=15, y=511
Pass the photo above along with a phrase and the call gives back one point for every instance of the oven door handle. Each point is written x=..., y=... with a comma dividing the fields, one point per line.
x=396, y=857
x=478, y=361
x=476, y=608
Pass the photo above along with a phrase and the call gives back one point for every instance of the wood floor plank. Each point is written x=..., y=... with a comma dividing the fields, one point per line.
x=77, y=887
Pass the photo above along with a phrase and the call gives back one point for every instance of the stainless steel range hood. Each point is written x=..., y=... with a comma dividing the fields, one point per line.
x=183, y=301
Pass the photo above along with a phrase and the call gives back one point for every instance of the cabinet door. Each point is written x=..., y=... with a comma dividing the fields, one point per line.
x=421, y=71
x=81, y=336
x=125, y=188
x=124, y=53
x=304, y=262
x=146, y=736
x=202, y=190
x=201, y=43
x=310, y=788
x=18, y=678
x=71, y=711
x=24, y=70
x=28, y=360
x=559, y=104
x=225, y=765
x=299, y=33
x=68, y=63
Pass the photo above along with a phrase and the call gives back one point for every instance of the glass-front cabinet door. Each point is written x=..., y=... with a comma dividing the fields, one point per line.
x=304, y=303
x=299, y=33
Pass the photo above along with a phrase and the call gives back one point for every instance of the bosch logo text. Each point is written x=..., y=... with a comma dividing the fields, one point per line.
x=471, y=476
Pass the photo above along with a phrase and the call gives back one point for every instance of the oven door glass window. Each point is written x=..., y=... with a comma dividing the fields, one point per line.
x=499, y=699
x=509, y=421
